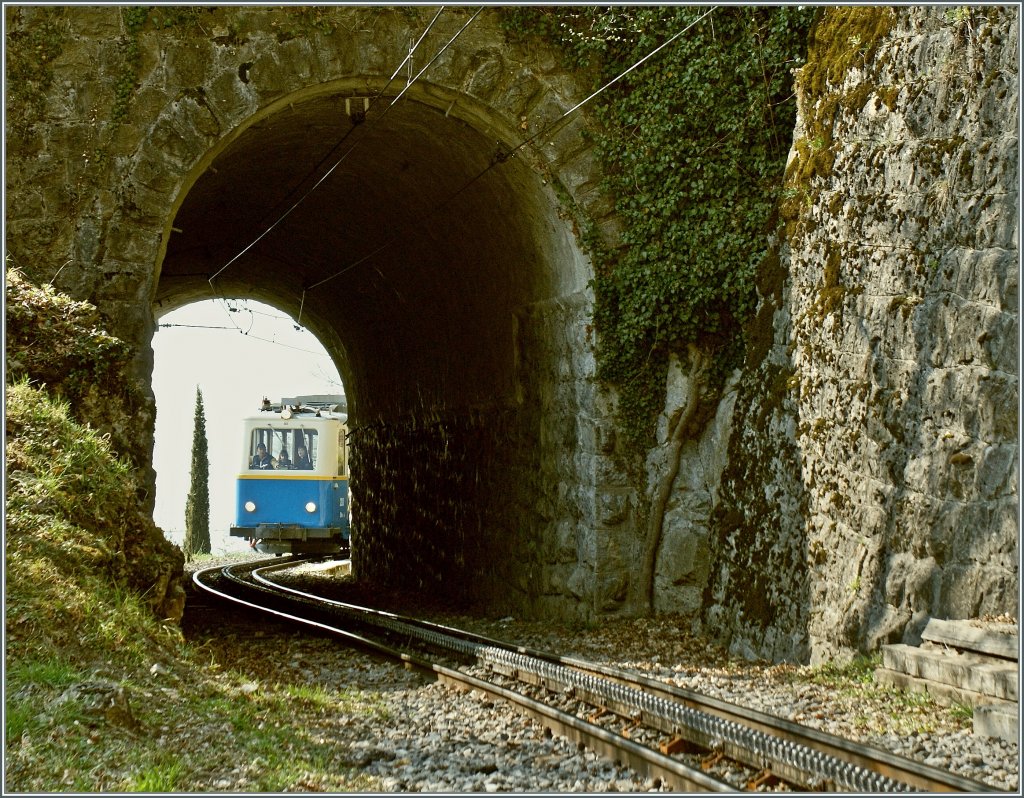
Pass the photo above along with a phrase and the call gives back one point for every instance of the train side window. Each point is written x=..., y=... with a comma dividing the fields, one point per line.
x=342, y=454
x=305, y=448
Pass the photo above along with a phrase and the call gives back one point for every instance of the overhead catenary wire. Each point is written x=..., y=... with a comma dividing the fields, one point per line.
x=356, y=122
x=286, y=346
x=501, y=157
x=340, y=160
x=223, y=303
x=245, y=333
x=198, y=326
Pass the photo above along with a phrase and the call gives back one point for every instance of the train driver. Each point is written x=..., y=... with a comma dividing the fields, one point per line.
x=261, y=459
x=283, y=461
x=302, y=459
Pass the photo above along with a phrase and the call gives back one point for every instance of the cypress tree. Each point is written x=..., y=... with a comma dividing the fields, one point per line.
x=197, y=506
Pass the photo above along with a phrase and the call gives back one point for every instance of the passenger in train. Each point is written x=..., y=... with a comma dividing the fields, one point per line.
x=261, y=459
x=283, y=461
x=302, y=459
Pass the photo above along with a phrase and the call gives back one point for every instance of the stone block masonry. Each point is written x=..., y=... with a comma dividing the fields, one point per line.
x=162, y=141
x=970, y=663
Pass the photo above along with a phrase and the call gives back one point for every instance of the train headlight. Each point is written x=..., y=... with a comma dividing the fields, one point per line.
x=250, y=507
x=310, y=507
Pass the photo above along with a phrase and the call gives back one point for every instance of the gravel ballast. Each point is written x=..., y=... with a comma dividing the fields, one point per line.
x=408, y=733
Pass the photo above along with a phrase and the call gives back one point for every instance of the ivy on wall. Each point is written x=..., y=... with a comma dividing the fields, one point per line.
x=133, y=21
x=30, y=52
x=694, y=145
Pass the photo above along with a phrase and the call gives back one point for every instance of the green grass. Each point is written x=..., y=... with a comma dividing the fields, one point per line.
x=17, y=718
x=962, y=712
x=26, y=681
x=78, y=562
x=858, y=671
x=888, y=709
x=55, y=673
x=313, y=694
x=164, y=776
x=72, y=619
x=69, y=503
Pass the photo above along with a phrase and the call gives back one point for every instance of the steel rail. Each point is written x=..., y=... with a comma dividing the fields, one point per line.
x=643, y=760
x=911, y=772
x=793, y=762
x=793, y=752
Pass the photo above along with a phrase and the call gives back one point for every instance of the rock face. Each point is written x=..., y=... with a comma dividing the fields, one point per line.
x=873, y=464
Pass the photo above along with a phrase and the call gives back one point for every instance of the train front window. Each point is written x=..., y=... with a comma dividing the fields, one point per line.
x=282, y=449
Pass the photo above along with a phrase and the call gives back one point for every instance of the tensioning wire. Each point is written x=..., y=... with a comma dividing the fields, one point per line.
x=502, y=157
x=330, y=153
x=243, y=332
x=337, y=163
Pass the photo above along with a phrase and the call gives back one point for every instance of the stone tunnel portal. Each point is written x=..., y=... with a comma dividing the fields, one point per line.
x=420, y=262
x=413, y=283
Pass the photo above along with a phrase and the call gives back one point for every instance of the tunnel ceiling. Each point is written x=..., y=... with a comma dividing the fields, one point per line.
x=426, y=260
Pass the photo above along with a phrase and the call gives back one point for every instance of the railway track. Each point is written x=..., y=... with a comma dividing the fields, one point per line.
x=686, y=740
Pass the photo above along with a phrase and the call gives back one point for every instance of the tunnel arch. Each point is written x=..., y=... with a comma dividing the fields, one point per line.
x=251, y=350
x=420, y=245
x=182, y=296
x=464, y=349
x=96, y=179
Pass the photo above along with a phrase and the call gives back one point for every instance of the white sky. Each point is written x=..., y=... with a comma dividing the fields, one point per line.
x=260, y=353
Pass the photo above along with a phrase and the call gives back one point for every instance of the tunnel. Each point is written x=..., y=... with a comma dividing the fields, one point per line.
x=410, y=258
x=438, y=268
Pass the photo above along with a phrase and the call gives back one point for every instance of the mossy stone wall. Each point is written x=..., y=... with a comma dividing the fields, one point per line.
x=873, y=467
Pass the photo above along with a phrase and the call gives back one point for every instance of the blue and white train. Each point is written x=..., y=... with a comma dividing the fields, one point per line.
x=292, y=490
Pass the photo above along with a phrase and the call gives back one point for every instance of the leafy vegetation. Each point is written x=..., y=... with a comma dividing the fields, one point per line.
x=694, y=145
x=57, y=341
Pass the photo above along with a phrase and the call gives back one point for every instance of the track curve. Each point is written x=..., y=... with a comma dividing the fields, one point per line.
x=774, y=748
